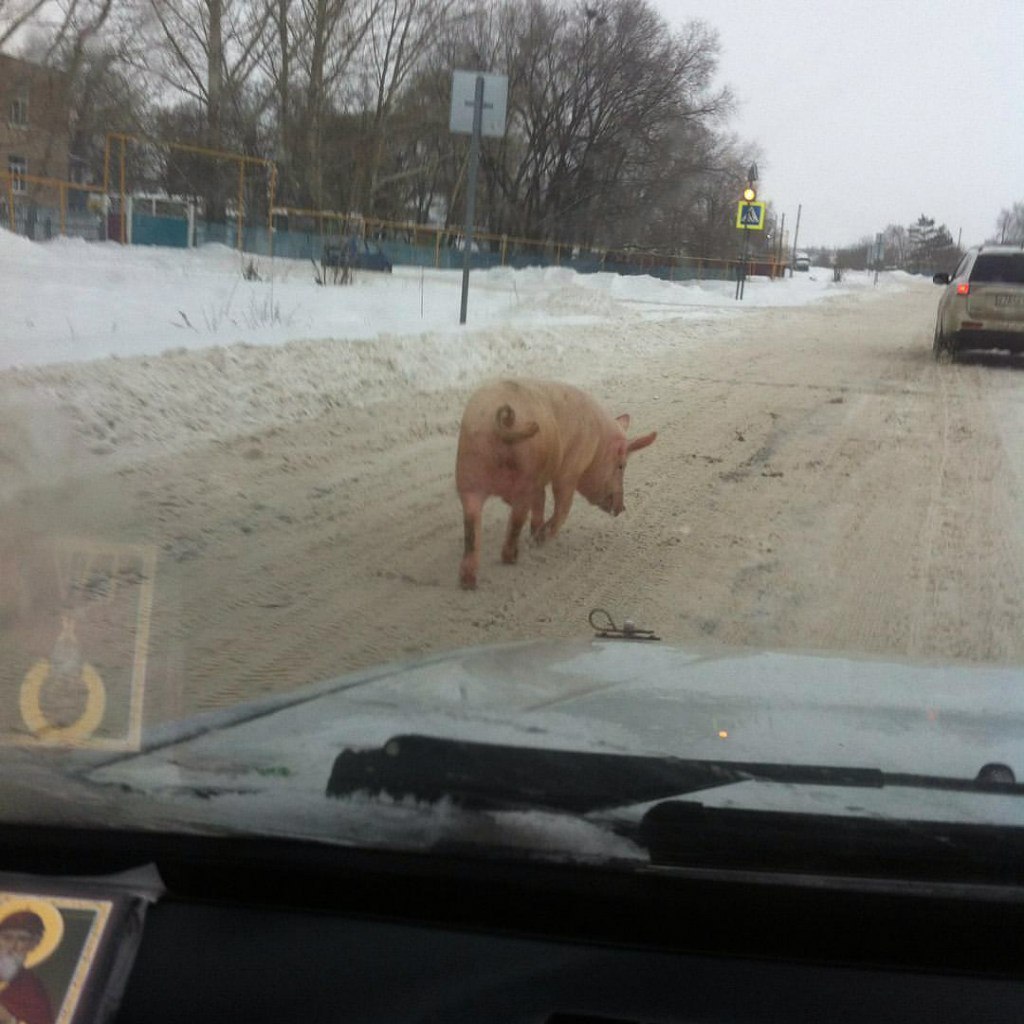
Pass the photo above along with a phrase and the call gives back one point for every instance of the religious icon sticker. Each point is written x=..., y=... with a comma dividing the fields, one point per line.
x=78, y=628
x=48, y=947
x=66, y=946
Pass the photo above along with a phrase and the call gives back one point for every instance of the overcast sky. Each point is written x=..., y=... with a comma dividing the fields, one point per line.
x=872, y=112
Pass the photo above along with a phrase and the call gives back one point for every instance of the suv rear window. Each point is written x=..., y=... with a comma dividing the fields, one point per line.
x=999, y=269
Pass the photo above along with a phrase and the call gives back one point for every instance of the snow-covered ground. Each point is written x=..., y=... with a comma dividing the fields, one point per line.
x=72, y=301
x=122, y=352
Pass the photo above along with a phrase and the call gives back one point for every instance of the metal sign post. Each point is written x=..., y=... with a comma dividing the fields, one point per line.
x=478, y=107
x=749, y=217
x=474, y=166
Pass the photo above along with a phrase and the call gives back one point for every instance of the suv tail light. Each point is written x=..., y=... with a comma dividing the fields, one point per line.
x=963, y=289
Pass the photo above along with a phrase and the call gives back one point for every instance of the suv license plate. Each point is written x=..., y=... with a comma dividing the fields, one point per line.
x=1010, y=300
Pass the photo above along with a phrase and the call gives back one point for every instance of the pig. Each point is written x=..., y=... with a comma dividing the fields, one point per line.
x=518, y=436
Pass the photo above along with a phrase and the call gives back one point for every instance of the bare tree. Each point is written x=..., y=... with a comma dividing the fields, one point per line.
x=399, y=38
x=334, y=30
x=79, y=39
x=1010, y=224
x=708, y=190
x=598, y=96
x=94, y=49
x=208, y=51
x=16, y=15
x=897, y=246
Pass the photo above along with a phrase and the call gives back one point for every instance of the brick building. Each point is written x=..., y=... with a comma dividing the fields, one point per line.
x=35, y=135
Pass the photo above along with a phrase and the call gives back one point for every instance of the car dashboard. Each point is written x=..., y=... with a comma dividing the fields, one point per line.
x=278, y=930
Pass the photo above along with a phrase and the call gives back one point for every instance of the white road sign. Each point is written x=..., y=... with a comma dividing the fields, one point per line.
x=495, y=103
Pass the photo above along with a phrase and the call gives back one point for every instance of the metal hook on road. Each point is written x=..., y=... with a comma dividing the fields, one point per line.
x=629, y=630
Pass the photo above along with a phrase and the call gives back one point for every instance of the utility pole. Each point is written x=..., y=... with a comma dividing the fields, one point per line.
x=796, y=238
x=779, y=241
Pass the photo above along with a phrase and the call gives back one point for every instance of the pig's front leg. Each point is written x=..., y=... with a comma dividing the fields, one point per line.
x=563, y=493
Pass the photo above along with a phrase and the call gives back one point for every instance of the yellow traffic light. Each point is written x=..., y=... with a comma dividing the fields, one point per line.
x=750, y=193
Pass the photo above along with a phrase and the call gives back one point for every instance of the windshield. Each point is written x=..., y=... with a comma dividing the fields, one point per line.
x=554, y=377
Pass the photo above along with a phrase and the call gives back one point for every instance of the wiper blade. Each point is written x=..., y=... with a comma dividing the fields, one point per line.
x=491, y=776
x=680, y=833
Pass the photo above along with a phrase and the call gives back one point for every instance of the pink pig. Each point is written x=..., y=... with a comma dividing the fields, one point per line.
x=518, y=436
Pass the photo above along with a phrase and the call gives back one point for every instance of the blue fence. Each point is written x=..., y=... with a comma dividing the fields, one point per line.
x=41, y=223
x=308, y=245
x=172, y=231
x=154, y=230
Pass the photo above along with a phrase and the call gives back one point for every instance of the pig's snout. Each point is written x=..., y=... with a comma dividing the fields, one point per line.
x=612, y=505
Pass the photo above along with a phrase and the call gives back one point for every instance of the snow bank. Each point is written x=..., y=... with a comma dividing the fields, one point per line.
x=73, y=301
x=118, y=352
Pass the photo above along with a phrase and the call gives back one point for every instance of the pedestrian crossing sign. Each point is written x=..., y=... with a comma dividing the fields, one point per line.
x=750, y=216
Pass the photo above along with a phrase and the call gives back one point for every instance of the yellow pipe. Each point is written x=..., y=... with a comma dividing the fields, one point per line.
x=226, y=154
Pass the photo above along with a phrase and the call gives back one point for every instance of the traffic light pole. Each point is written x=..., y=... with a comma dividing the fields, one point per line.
x=741, y=274
x=749, y=195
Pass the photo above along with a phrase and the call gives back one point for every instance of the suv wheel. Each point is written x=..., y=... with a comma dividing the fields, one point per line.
x=942, y=349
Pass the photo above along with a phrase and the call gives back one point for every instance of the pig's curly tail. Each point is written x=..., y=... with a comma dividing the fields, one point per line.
x=504, y=421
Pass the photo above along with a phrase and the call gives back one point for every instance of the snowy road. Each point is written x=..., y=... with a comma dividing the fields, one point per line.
x=817, y=483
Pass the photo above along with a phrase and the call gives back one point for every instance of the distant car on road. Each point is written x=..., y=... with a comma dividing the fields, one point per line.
x=356, y=253
x=982, y=304
x=801, y=261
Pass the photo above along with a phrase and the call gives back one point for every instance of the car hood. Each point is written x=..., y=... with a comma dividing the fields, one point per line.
x=264, y=766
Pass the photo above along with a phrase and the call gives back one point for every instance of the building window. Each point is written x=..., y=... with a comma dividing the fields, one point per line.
x=17, y=168
x=19, y=109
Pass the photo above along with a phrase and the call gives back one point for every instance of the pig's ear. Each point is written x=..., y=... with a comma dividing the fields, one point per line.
x=642, y=442
x=623, y=421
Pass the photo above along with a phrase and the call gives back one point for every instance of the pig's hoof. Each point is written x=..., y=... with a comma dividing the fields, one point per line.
x=539, y=536
x=468, y=582
x=509, y=555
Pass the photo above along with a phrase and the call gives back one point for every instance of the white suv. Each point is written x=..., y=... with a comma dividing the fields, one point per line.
x=982, y=305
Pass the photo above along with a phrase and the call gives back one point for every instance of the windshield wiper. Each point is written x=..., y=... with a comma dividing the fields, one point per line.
x=490, y=776
x=680, y=833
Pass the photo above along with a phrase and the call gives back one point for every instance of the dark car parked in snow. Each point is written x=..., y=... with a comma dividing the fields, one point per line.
x=356, y=253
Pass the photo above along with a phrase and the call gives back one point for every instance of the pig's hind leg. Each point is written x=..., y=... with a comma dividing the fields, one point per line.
x=516, y=519
x=537, y=514
x=472, y=518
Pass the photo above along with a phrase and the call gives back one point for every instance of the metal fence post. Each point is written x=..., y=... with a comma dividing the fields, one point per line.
x=241, y=195
x=123, y=231
x=270, y=210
